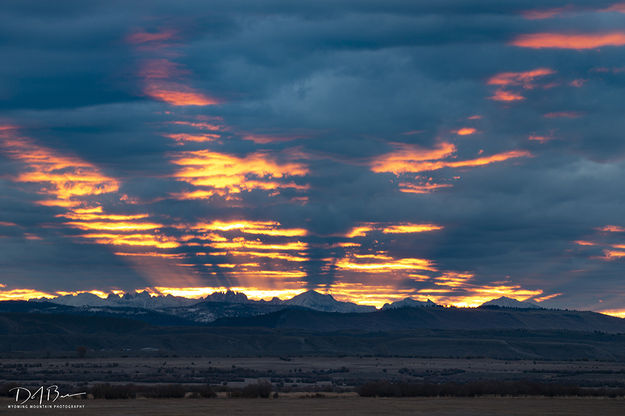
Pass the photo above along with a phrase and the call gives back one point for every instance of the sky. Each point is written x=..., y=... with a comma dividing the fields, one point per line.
x=454, y=150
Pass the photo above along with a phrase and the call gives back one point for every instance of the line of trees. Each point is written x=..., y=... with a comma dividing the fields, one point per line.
x=482, y=388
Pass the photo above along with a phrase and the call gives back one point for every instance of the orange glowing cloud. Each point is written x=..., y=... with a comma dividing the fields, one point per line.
x=421, y=189
x=139, y=240
x=76, y=214
x=198, y=138
x=271, y=276
x=569, y=41
x=115, y=226
x=541, y=139
x=69, y=181
x=585, y=243
x=462, y=293
x=162, y=77
x=404, y=159
x=150, y=254
x=411, y=228
x=547, y=297
x=271, y=228
x=362, y=230
x=484, y=294
x=177, y=94
x=503, y=95
x=146, y=37
x=234, y=174
x=263, y=139
x=360, y=283
x=96, y=292
x=23, y=294
x=481, y=161
x=65, y=178
x=386, y=266
x=240, y=243
x=239, y=246
x=540, y=14
x=201, y=125
x=453, y=279
x=73, y=184
x=366, y=294
x=563, y=114
x=465, y=131
x=613, y=254
x=524, y=79
x=161, y=69
x=198, y=194
x=401, y=162
x=612, y=229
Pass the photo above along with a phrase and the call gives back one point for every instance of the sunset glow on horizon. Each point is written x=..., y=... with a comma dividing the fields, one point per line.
x=457, y=157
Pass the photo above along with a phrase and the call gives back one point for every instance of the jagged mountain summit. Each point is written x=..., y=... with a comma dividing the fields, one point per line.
x=134, y=300
x=408, y=303
x=145, y=300
x=310, y=299
x=227, y=297
x=505, y=302
x=325, y=303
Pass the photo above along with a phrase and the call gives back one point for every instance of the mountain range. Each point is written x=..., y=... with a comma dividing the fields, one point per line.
x=241, y=329
x=505, y=302
x=309, y=299
x=318, y=312
x=402, y=319
x=315, y=311
x=310, y=323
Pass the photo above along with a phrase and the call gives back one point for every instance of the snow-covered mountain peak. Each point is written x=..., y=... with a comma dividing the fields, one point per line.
x=506, y=302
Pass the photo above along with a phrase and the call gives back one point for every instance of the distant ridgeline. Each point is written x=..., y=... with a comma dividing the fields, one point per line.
x=310, y=299
x=310, y=323
x=315, y=311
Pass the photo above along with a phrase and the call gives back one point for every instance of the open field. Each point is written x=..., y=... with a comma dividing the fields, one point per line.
x=347, y=405
x=307, y=373
x=311, y=385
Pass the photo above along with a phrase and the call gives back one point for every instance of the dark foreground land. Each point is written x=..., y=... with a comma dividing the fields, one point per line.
x=343, y=405
x=301, y=373
x=509, y=362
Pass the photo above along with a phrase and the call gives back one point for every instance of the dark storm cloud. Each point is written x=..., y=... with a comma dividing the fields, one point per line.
x=339, y=84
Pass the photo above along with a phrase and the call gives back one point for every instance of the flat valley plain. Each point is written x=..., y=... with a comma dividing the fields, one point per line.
x=307, y=373
x=313, y=385
x=342, y=405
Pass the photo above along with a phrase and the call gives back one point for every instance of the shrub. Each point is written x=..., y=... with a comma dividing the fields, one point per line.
x=5, y=389
x=113, y=391
x=480, y=388
x=253, y=391
x=81, y=351
x=205, y=391
x=164, y=391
